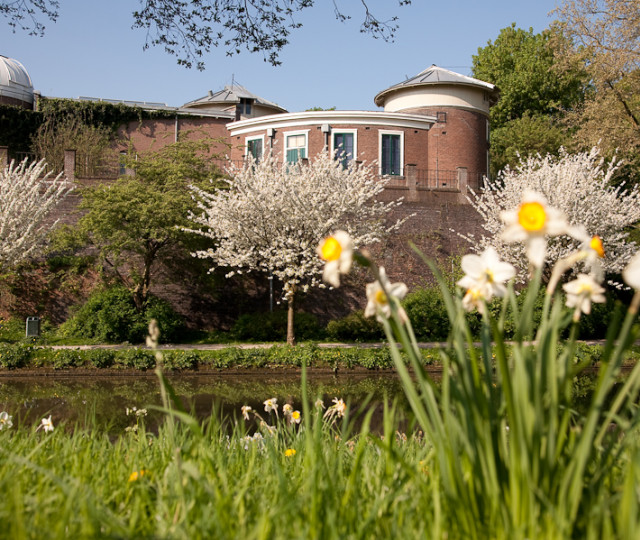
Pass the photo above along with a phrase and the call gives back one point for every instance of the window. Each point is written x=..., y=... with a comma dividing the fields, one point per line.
x=296, y=147
x=391, y=153
x=344, y=146
x=244, y=107
x=255, y=148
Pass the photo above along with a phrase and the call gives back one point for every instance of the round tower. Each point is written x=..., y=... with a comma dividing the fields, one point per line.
x=460, y=137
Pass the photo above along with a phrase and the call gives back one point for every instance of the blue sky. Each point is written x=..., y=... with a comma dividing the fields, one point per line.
x=92, y=51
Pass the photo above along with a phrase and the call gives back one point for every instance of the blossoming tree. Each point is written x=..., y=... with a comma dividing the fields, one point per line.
x=579, y=187
x=273, y=215
x=26, y=199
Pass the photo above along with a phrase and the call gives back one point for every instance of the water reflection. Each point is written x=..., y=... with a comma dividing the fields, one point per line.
x=77, y=400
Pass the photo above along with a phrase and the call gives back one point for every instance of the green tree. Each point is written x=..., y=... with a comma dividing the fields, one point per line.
x=534, y=94
x=188, y=29
x=135, y=221
x=604, y=39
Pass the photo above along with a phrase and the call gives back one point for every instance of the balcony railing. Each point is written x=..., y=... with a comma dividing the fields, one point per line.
x=432, y=179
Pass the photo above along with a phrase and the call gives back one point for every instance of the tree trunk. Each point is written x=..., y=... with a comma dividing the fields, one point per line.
x=291, y=338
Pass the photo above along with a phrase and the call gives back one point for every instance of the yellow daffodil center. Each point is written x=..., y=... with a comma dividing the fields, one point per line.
x=596, y=245
x=330, y=249
x=295, y=415
x=380, y=297
x=489, y=275
x=585, y=289
x=532, y=216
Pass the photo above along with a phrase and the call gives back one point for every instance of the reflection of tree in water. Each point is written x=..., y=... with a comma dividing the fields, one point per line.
x=101, y=402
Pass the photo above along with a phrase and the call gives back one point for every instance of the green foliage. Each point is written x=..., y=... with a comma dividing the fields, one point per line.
x=100, y=358
x=18, y=125
x=428, y=315
x=67, y=358
x=535, y=94
x=110, y=316
x=355, y=327
x=531, y=134
x=12, y=330
x=257, y=327
x=137, y=359
x=14, y=356
x=181, y=360
x=521, y=64
x=135, y=222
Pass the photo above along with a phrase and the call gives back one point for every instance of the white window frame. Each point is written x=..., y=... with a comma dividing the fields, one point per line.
x=353, y=132
x=253, y=138
x=390, y=132
x=288, y=134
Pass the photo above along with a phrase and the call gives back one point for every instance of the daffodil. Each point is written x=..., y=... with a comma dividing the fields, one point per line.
x=380, y=294
x=475, y=297
x=136, y=475
x=271, y=405
x=5, y=420
x=295, y=417
x=245, y=411
x=337, y=252
x=531, y=222
x=581, y=292
x=339, y=408
x=487, y=273
x=47, y=424
x=631, y=274
x=287, y=409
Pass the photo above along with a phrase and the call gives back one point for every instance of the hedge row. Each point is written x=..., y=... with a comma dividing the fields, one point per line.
x=14, y=356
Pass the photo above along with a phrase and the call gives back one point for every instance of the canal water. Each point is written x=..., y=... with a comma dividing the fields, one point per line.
x=103, y=400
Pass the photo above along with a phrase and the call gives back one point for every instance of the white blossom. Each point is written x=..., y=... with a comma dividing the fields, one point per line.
x=578, y=185
x=27, y=196
x=273, y=216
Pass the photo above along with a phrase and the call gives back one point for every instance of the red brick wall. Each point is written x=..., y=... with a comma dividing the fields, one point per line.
x=152, y=135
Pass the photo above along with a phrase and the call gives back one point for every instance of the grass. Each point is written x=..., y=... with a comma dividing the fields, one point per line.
x=318, y=479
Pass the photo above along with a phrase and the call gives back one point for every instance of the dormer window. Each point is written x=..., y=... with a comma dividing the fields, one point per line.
x=244, y=107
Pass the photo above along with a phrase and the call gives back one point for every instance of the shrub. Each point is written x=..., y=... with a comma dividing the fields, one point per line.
x=65, y=358
x=110, y=316
x=355, y=327
x=14, y=356
x=179, y=360
x=136, y=358
x=273, y=327
x=101, y=358
x=428, y=315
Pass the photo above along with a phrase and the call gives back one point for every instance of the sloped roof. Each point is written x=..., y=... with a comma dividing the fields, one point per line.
x=435, y=75
x=14, y=80
x=231, y=94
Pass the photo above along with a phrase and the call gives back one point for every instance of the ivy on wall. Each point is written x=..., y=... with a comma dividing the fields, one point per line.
x=18, y=126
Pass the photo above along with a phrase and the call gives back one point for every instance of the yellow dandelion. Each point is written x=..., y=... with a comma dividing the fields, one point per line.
x=289, y=452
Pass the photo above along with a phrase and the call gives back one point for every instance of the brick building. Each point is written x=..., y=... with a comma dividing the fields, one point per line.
x=429, y=137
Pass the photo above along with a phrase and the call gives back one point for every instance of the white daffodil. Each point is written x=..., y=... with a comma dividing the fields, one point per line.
x=47, y=424
x=337, y=252
x=531, y=222
x=581, y=292
x=5, y=420
x=339, y=408
x=487, y=273
x=631, y=274
x=245, y=411
x=475, y=297
x=295, y=417
x=271, y=405
x=287, y=409
x=378, y=303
